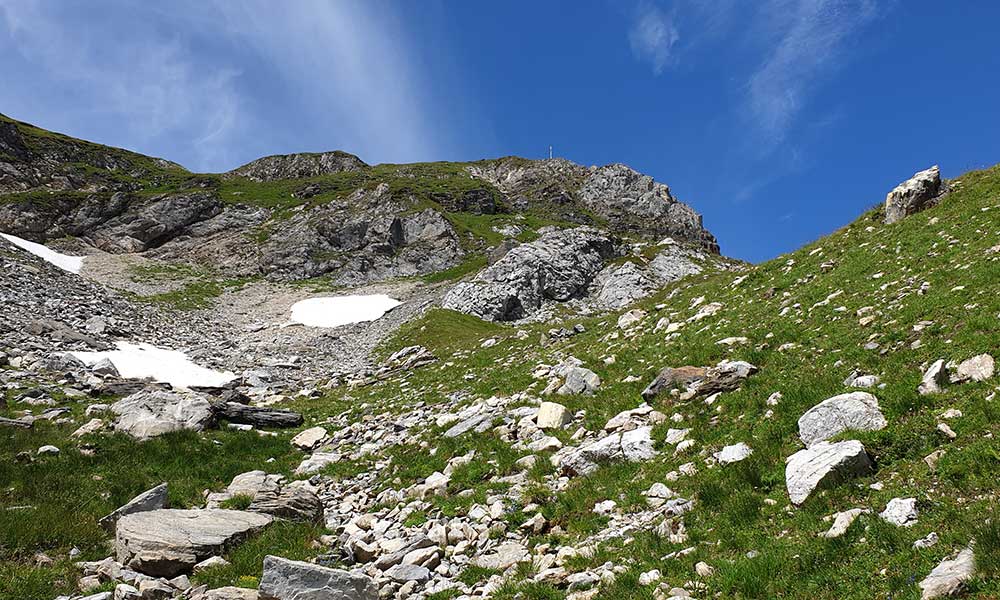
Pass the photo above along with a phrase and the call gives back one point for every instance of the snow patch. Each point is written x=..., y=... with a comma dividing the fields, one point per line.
x=73, y=264
x=137, y=361
x=341, y=310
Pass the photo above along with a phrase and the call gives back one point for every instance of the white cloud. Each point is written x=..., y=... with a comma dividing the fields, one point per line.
x=653, y=36
x=807, y=41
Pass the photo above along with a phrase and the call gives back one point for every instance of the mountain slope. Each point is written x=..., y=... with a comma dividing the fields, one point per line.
x=443, y=460
x=327, y=214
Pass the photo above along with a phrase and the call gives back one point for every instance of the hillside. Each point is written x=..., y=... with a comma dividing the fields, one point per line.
x=629, y=439
x=309, y=215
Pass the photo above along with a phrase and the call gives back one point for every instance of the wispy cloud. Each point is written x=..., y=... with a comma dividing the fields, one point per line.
x=653, y=36
x=809, y=40
x=217, y=82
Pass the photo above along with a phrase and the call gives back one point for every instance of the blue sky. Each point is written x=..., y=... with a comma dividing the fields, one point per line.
x=778, y=120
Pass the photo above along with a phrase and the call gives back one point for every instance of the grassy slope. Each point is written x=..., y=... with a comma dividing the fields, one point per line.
x=874, y=265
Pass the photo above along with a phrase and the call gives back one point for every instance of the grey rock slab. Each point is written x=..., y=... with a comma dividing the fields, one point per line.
x=151, y=499
x=285, y=579
x=402, y=573
x=823, y=465
x=949, y=576
x=558, y=266
x=855, y=411
x=168, y=542
x=579, y=380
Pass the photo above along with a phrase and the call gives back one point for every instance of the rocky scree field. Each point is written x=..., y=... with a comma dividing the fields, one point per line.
x=822, y=425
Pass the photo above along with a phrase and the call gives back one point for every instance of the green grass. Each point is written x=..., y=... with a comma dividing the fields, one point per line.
x=286, y=539
x=195, y=295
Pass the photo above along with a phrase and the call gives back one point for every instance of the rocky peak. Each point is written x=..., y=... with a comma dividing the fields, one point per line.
x=298, y=166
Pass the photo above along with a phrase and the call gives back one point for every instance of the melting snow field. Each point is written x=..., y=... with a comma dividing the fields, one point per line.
x=73, y=264
x=341, y=310
x=136, y=361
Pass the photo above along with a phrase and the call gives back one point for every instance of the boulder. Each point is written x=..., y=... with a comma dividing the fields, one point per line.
x=842, y=521
x=632, y=446
x=255, y=415
x=934, y=377
x=949, y=577
x=317, y=462
x=823, y=465
x=855, y=411
x=151, y=499
x=901, y=512
x=228, y=593
x=670, y=377
x=150, y=413
x=552, y=415
x=292, y=502
x=913, y=195
x=734, y=453
x=579, y=380
x=308, y=439
x=168, y=542
x=285, y=579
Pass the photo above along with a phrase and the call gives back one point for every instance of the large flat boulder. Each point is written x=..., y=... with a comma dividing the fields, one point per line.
x=824, y=465
x=856, y=411
x=285, y=579
x=630, y=446
x=150, y=413
x=168, y=542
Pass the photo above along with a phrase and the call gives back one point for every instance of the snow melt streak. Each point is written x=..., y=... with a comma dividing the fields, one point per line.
x=136, y=361
x=73, y=264
x=341, y=310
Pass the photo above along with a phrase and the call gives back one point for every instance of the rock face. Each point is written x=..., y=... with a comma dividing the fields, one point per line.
x=150, y=413
x=558, y=266
x=977, y=368
x=824, y=465
x=285, y=579
x=948, y=577
x=298, y=166
x=857, y=411
x=342, y=218
x=167, y=542
x=623, y=195
x=913, y=195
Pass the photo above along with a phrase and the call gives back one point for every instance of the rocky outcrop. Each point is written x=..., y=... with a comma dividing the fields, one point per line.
x=167, y=542
x=285, y=579
x=298, y=166
x=913, y=195
x=558, y=266
x=630, y=200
